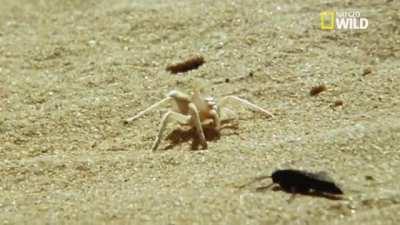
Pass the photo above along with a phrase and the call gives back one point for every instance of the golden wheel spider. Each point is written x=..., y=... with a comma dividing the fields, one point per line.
x=196, y=111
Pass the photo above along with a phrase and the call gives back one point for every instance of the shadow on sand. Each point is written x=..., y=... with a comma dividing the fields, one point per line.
x=185, y=134
x=295, y=193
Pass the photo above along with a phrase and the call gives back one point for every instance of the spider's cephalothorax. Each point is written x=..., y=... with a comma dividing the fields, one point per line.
x=196, y=111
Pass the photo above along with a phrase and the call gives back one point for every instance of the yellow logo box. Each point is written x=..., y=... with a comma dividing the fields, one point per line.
x=328, y=20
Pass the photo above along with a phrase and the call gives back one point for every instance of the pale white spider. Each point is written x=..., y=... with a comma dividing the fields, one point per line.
x=196, y=111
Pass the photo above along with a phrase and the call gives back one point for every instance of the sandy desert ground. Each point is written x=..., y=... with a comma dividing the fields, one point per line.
x=72, y=71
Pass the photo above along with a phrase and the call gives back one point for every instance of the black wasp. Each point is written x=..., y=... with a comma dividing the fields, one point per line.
x=303, y=182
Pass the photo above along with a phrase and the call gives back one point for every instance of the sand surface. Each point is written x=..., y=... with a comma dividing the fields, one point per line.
x=72, y=71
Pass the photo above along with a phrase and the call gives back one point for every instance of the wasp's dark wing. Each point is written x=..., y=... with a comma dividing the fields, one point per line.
x=321, y=181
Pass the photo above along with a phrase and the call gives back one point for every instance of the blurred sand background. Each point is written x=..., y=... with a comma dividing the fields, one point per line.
x=72, y=71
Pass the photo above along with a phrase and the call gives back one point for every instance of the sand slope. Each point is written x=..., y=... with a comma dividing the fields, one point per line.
x=72, y=71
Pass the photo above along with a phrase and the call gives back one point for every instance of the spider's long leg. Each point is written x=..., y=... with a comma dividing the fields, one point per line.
x=147, y=110
x=195, y=117
x=245, y=103
x=168, y=117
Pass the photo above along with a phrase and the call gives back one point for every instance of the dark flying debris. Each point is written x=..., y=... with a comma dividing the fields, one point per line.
x=367, y=71
x=317, y=89
x=190, y=64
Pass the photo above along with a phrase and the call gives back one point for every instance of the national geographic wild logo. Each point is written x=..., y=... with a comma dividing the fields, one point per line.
x=343, y=20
